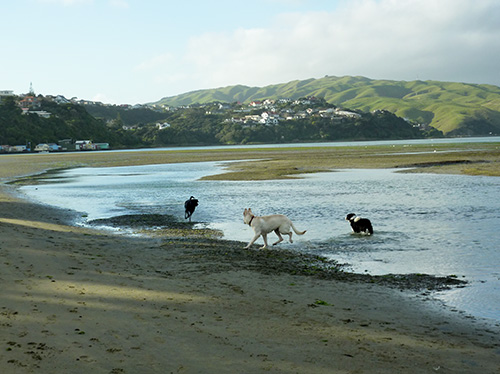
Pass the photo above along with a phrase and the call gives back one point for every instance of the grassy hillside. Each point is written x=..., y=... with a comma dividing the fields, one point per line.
x=454, y=108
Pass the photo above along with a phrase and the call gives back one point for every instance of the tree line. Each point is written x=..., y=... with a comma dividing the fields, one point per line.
x=198, y=125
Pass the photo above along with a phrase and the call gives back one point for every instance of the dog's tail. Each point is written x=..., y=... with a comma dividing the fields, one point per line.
x=297, y=231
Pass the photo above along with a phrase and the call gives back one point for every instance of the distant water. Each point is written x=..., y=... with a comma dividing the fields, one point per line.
x=354, y=143
x=424, y=223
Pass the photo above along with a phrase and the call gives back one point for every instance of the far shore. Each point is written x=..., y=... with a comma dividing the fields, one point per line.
x=78, y=300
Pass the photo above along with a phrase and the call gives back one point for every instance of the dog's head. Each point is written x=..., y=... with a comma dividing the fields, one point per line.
x=350, y=217
x=247, y=216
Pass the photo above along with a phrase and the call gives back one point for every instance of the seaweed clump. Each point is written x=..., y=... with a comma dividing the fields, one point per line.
x=224, y=255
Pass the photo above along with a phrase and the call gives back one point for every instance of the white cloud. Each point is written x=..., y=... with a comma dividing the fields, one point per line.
x=156, y=62
x=122, y=4
x=66, y=2
x=426, y=39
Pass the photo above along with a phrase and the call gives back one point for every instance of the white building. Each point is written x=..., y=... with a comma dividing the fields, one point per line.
x=163, y=125
x=345, y=113
x=84, y=145
x=60, y=99
x=39, y=113
x=47, y=147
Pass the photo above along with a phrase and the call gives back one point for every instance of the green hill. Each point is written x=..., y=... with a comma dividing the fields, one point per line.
x=66, y=121
x=453, y=108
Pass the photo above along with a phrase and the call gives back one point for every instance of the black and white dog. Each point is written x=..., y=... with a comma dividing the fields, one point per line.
x=359, y=225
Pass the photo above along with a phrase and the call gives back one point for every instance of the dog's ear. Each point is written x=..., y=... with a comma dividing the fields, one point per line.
x=250, y=210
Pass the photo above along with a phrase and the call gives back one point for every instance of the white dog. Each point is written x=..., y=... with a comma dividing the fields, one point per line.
x=263, y=225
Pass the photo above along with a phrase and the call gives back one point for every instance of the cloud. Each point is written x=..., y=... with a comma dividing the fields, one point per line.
x=66, y=2
x=455, y=40
x=122, y=4
x=155, y=62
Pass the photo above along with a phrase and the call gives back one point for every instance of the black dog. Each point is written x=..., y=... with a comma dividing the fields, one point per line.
x=359, y=225
x=190, y=205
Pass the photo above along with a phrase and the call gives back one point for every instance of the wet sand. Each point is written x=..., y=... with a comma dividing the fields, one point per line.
x=76, y=300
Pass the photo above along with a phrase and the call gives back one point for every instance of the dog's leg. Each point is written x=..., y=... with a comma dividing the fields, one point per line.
x=256, y=236
x=264, y=236
x=290, y=235
x=277, y=231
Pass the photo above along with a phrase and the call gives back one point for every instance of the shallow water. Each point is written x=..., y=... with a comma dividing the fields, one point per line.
x=424, y=223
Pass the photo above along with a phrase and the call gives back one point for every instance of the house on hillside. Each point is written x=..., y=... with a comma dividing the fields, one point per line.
x=39, y=113
x=269, y=118
x=60, y=99
x=252, y=118
x=163, y=125
x=302, y=102
x=30, y=102
x=345, y=113
x=5, y=93
x=328, y=112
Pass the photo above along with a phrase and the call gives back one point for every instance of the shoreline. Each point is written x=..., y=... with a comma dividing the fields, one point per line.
x=277, y=260
x=77, y=299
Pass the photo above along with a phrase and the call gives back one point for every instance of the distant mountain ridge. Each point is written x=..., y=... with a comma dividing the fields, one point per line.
x=453, y=108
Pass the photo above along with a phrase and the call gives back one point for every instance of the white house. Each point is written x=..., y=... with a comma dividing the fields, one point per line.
x=39, y=113
x=60, y=99
x=269, y=118
x=163, y=125
x=17, y=148
x=345, y=113
x=47, y=147
x=84, y=145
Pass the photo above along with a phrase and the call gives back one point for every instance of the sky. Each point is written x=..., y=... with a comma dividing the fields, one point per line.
x=139, y=51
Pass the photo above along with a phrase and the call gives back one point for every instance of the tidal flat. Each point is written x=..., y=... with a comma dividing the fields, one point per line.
x=278, y=163
x=269, y=163
x=80, y=300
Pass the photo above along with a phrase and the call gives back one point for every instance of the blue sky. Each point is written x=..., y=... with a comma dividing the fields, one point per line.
x=138, y=51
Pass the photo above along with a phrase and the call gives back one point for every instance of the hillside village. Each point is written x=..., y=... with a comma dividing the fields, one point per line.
x=31, y=103
x=266, y=112
x=166, y=121
x=274, y=111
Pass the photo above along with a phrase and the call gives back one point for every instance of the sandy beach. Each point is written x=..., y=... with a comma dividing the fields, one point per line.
x=77, y=300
